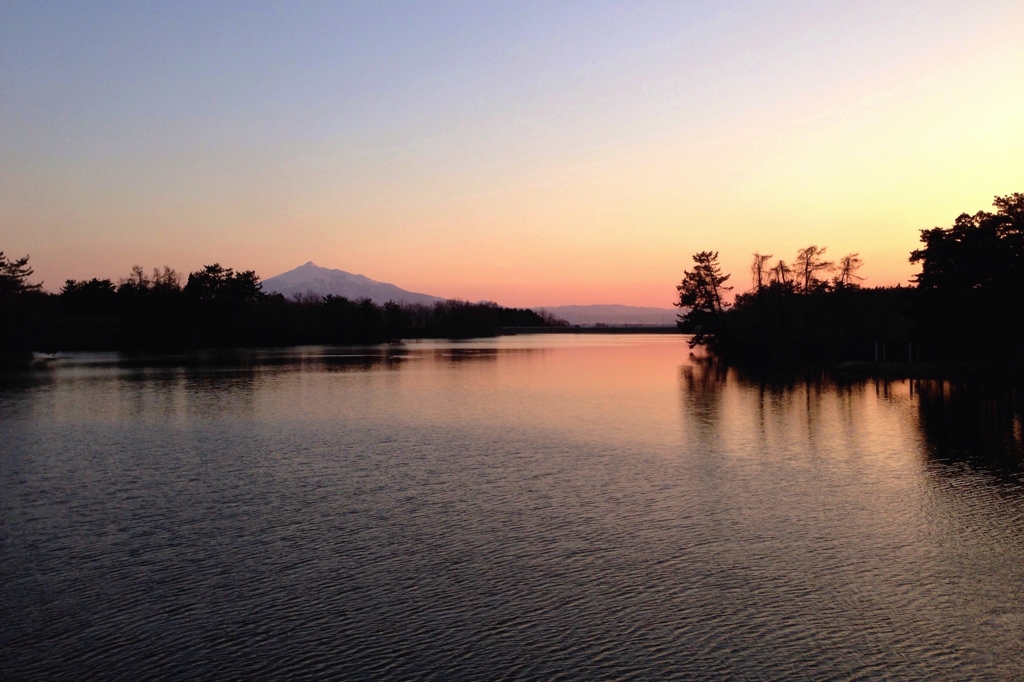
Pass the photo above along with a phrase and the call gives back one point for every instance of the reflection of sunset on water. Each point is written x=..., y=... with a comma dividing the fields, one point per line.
x=490, y=504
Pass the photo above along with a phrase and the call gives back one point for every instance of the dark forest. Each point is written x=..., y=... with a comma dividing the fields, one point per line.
x=963, y=307
x=217, y=307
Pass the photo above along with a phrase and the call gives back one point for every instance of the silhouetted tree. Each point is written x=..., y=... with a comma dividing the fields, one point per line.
x=968, y=299
x=166, y=279
x=151, y=310
x=14, y=276
x=701, y=295
x=783, y=324
x=972, y=279
x=93, y=297
x=394, y=321
x=846, y=271
x=215, y=283
x=135, y=283
x=91, y=315
x=223, y=305
x=20, y=311
x=809, y=262
x=781, y=274
x=760, y=271
x=986, y=249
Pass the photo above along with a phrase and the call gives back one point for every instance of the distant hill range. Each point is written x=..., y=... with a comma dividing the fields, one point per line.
x=313, y=279
x=613, y=314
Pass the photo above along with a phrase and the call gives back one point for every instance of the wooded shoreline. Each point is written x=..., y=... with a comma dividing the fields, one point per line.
x=961, y=316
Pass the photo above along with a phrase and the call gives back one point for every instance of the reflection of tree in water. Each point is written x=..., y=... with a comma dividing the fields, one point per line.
x=981, y=425
x=209, y=390
x=327, y=358
x=703, y=377
x=455, y=354
x=970, y=433
x=356, y=362
x=228, y=380
x=782, y=400
x=703, y=383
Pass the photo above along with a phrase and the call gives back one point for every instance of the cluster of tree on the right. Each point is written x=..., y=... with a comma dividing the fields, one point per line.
x=967, y=305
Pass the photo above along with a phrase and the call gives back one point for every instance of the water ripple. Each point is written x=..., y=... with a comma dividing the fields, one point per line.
x=396, y=524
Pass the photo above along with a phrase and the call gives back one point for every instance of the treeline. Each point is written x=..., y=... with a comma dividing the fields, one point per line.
x=966, y=304
x=218, y=307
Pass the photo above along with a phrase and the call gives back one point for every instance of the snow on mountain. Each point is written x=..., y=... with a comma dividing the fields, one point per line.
x=311, y=278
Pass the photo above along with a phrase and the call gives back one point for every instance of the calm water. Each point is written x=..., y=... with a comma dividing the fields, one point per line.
x=583, y=507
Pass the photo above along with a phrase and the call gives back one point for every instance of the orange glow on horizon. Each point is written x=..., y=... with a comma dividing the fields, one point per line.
x=582, y=176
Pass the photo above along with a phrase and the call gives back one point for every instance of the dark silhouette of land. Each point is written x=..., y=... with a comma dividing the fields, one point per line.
x=961, y=316
x=218, y=307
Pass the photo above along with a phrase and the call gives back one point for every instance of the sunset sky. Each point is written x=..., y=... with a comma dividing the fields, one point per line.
x=531, y=154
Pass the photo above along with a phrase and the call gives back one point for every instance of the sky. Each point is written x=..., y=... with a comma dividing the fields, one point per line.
x=544, y=153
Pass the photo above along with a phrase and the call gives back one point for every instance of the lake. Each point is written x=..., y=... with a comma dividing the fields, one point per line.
x=527, y=507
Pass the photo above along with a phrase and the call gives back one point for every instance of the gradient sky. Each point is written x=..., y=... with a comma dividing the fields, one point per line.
x=531, y=154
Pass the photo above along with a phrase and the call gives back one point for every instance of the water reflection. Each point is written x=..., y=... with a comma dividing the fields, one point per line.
x=975, y=423
x=593, y=508
x=315, y=357
x=457, y=355
x=978, y=424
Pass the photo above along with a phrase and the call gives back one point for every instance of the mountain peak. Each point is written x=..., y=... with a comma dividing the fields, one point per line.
x=311, y=278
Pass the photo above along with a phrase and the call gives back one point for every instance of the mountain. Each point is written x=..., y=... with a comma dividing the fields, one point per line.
x=311, y=278
x=612, y=314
